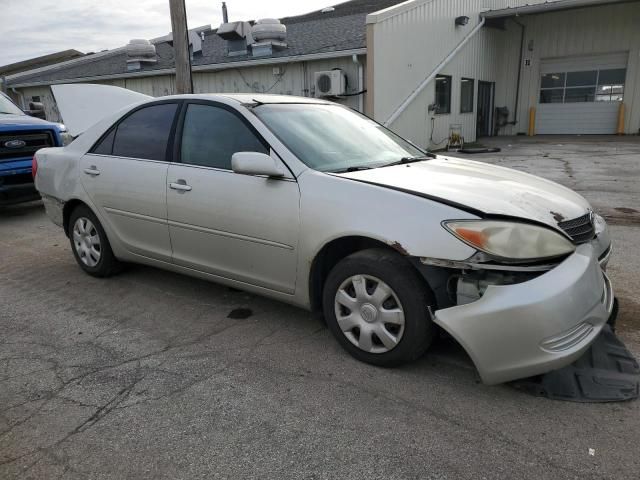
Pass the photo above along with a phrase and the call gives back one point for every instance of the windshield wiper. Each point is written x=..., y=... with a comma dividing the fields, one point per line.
x=357, y=168
x=406, y=160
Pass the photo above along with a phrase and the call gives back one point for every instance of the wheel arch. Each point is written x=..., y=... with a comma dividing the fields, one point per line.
x=68, y=208
x=334, y=251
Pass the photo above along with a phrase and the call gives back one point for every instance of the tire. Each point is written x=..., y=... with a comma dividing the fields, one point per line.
x=90, y=244
x=386, y=300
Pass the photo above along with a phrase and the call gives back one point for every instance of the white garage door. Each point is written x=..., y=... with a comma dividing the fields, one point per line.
x=581, y=95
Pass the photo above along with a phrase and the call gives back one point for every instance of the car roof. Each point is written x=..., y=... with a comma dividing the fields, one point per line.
x=248, y=98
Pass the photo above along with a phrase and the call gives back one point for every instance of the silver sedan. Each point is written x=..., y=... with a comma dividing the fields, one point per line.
x=313, y=204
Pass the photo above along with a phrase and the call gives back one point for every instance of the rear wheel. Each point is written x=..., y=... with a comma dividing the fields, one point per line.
x=90, y=245
x=376, y=305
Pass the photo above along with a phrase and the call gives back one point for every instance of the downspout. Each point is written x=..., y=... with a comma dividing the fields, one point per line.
x=433, y=74
x=360, y=82
x=515, y=108
x=21, y=96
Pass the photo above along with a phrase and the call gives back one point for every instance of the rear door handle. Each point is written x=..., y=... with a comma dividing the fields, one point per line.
x=92, y=170
x=180, y=185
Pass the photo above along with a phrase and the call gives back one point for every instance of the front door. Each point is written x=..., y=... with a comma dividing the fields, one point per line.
x=125, y=175
x=234, y=226
x=484, y=124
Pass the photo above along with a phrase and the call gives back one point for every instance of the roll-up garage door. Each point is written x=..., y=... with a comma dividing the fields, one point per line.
x=581, y=95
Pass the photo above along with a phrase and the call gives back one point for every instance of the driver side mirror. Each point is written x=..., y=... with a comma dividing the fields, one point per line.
x=254, y=163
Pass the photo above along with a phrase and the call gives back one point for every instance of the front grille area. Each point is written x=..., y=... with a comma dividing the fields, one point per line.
x=580, y=229
x=34, y=140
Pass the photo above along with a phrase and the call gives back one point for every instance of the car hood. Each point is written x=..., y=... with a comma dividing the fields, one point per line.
x=482, y=187
x=11, y=120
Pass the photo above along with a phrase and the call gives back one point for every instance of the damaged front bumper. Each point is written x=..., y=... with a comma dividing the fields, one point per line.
x=542, y=324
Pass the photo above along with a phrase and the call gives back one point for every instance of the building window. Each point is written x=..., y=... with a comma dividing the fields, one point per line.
x=611, y=85
x=582, y=87
x=443, y=94
x=466, y=95
x=35, y=98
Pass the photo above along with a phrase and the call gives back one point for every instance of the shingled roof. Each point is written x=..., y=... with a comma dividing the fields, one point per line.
x=342, y=29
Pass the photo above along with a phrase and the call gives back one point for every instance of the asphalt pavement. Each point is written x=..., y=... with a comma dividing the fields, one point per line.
x=151, y=374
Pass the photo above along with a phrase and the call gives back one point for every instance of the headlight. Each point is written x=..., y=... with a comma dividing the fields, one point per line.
x=510, y=241
x=67, y=138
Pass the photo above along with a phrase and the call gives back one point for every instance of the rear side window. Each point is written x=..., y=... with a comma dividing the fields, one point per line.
x=105, y=146
x=143, y=134
x=211, y=135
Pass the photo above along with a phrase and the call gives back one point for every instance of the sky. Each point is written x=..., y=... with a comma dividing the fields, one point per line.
x=30, y=28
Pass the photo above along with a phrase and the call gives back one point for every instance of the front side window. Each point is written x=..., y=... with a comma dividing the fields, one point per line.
x=211, y=135
x=143, y=134
x=331, y=138
x=443, y=94
x=584, y=86
x=466, y=95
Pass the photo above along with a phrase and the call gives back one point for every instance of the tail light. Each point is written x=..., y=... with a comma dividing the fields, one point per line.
x=34, y=167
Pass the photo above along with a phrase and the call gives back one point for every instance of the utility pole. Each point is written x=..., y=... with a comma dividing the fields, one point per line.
x=184, y=83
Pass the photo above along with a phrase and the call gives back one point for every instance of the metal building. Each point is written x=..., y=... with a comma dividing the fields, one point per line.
x=432, y=70
x=504, y=67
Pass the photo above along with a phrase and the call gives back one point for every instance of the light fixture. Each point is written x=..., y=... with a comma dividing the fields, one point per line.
x=462, y=21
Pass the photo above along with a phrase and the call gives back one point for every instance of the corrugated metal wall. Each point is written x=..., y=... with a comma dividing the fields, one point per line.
x=410, y=41
x=408, y=45
x=607, y=30
x=295, y=78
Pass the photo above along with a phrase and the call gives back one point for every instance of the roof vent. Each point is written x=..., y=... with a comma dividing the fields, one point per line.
x=269, y=35
x=140, y=51
x=237, y=35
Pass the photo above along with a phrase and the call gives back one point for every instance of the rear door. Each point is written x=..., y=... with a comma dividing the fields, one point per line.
x=235, y=226
x=125, y=175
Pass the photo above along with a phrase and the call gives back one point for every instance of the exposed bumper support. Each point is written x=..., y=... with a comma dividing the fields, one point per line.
x=529, y=328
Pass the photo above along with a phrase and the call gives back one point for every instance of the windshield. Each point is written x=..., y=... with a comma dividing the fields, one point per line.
x=331, y=138
x=7, y=106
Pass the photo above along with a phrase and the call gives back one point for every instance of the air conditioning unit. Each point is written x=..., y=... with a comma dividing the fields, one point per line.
x=331, y=83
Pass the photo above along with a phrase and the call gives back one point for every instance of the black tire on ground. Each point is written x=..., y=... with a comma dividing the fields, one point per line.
x=108, y=264
x=411, y=290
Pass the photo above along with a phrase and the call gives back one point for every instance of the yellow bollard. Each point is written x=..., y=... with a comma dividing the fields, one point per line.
x=620, y=130
x=532, y=122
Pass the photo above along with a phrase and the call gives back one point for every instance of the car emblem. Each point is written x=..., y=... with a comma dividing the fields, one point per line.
x=15, y=144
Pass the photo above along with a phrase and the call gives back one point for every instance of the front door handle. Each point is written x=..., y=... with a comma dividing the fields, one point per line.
x=92, y=170
x=180, y=185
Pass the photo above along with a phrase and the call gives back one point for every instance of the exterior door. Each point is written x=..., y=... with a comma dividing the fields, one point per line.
x=235, y=226
x=484, y=125
x=125, y=175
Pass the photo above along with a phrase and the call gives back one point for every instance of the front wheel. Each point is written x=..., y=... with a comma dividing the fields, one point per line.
x=90, y=245
x=376, y=305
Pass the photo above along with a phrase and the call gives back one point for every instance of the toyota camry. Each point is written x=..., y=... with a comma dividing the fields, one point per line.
x=314, y=204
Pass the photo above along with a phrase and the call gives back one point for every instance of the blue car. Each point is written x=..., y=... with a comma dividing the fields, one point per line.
x=20, y=137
